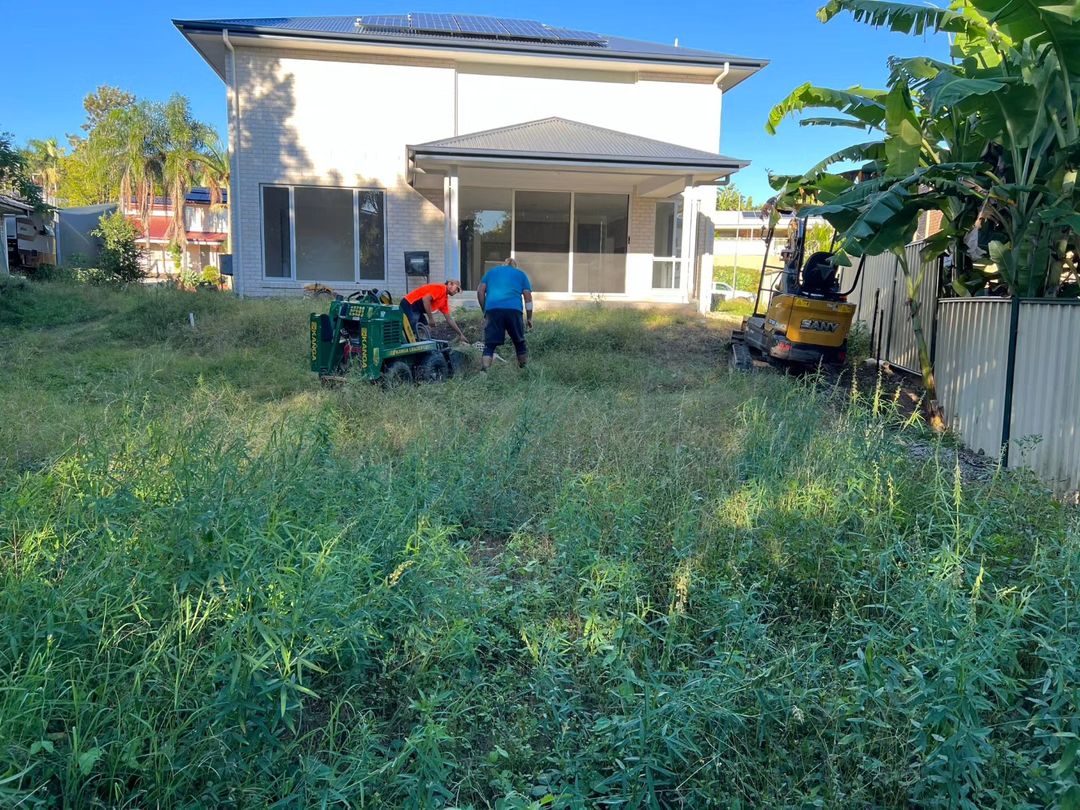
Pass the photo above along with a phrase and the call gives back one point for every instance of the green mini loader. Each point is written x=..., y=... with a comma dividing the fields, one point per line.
x=367, y=334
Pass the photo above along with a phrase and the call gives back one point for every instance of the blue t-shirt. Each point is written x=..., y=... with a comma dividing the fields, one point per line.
x=505, y=284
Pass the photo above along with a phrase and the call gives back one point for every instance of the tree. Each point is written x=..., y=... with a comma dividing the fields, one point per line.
x=120, y=259
x=88, y=175
x=1007, y=103
x=15, y=174
x=43, y=159
x=729, y=198
x=102, y=102
x=213, y=168
x=819, y=237
x=183, y=144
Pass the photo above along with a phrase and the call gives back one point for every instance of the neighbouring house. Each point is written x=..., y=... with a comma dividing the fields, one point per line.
x=206, y=227
x=590, y=158
x=739, y=237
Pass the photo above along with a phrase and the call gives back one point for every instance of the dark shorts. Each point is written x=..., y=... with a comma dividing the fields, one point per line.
x=414, y=312
x=500, y=323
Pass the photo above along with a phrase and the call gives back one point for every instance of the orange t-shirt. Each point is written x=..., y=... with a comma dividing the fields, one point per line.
x=440, y=301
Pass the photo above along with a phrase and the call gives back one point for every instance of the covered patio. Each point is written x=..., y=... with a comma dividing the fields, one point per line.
x=588, y=212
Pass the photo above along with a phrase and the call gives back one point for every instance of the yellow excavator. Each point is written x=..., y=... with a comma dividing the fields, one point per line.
x=801, y=317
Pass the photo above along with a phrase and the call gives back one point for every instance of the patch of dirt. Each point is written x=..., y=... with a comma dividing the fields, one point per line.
x=897, y=386
x=973, y=466
x=486, y=550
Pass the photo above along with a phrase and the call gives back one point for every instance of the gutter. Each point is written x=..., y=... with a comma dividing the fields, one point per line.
x=584, y=160
x=234, y=170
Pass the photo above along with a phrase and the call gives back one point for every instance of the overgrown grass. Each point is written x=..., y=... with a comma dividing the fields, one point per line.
x=623, y=578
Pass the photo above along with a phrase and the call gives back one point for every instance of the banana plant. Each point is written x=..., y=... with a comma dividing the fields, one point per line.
x=882, y=215
x=1010, y=98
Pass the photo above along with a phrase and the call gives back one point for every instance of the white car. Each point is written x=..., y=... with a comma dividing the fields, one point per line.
x=724, y=292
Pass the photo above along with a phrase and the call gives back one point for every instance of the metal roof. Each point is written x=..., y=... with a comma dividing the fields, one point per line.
x=560, y=139
x=353, y=29
x=9, y=204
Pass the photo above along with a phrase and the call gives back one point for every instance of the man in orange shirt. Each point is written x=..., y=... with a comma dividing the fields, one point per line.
x=423, y=302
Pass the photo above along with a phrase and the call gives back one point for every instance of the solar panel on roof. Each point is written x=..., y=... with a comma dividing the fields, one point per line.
x=469, y=25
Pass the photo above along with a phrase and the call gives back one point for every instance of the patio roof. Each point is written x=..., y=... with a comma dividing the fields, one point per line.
x=559, y=145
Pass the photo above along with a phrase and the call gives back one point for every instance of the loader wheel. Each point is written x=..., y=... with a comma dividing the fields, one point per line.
x=395, y=374
x=433, y=368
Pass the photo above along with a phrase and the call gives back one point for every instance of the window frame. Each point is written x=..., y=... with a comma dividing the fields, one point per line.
x=678, y=263
x=292, y=279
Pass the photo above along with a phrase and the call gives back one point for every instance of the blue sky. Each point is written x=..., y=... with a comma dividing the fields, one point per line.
x=134, y=45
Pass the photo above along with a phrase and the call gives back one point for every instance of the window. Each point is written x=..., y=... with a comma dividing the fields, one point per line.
x=600, y=239
x=667, y=245
x=370, y=209
x=325, y=250
x=313, y=233
x=277, y=233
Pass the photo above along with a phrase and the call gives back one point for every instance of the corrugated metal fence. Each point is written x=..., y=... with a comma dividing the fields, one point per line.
x=971, y=366
x=1037, y=420
x=1045, y=430
x=881, y=296
x=1032, y=419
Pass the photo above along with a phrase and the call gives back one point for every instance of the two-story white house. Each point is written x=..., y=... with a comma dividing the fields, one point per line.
x=591, y=159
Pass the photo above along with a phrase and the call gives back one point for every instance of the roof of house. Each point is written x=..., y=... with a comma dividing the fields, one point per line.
x=158, y=230
x=13, y=205
x=558, y=139
x=471, y=32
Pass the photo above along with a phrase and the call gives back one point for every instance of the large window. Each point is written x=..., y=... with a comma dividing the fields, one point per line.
x=312, y=233
x=484, y=215
x=667, y=245
x=325, y=246
x=600, y=240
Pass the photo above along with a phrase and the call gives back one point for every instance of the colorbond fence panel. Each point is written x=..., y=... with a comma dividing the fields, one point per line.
x=970, y=365
x=1045, y=431
x=881, y=298
x=971, y=345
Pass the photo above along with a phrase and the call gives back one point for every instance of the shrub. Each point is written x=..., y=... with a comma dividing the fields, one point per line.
x=211, y=276
x=121, y=257
x=52, y=272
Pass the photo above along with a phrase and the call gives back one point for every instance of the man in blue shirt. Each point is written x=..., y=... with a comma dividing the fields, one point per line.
x=501, y=292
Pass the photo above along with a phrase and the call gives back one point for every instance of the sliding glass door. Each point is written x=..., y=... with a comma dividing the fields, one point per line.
x=600, y=238
x=565, y=241
x=484, y=231
x=542, y=238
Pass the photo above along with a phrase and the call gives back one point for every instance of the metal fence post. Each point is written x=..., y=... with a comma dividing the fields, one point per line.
x=1010, y=376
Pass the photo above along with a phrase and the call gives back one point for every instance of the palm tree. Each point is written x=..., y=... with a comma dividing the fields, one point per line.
x=43, y=160
x=213, y=171
x=133, y=138
x=184, y=141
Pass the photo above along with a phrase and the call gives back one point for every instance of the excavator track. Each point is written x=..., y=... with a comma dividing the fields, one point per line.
x=741, y=359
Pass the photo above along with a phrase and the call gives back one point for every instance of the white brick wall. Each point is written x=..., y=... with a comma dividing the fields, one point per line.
x=335, y=119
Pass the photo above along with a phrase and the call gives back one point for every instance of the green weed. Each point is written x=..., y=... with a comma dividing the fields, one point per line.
x=624, y=577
